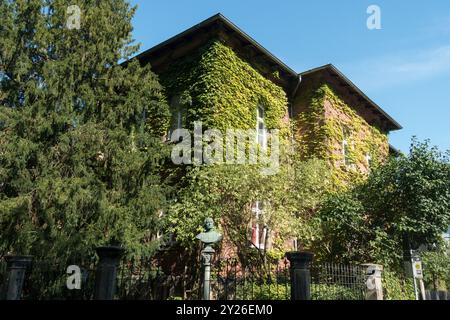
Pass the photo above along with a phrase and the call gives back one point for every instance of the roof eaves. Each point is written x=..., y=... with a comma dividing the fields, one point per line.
x=178, y=36
x=229, y=24
x=394, y=150
x=258, y=45
x=331, y=67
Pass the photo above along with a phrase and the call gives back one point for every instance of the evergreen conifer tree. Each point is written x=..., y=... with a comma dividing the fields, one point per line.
x=80, y=134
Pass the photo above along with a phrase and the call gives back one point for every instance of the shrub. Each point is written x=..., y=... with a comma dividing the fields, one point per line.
x=334, y=292
x=396, y=287
x=437, y=269
x=256, y=290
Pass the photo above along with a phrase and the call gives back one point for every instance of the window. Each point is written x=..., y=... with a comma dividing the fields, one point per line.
x=346, y=146
x=177, y=118
x=259, y=229
x=295, y=244
x=261, y=131
x=177, y=115
x=368, y=161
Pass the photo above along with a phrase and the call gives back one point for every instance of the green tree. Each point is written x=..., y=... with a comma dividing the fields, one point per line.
x=410, y=195
x=343, y=229
x=437, y=267
x=80, y=147
x=228, y=192
x=403, y=203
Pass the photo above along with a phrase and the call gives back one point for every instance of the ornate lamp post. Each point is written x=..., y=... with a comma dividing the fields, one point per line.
x=208, y=238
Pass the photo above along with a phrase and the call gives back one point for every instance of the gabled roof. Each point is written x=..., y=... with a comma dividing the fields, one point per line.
x=182, y=44
x=330, y=68
x=394, y=151
x=215, y=23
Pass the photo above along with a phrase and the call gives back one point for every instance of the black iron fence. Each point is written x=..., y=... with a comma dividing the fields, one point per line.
x=3, y=278
x=437, y=295
x=230, y=280
x=144, y=280
x=52, y=281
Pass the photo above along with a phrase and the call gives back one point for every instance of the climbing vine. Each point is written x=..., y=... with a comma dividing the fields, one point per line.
x=321, y=132
x=223, y=91
x=216, y=86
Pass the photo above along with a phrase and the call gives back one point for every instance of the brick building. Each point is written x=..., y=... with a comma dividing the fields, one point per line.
x=332, y=118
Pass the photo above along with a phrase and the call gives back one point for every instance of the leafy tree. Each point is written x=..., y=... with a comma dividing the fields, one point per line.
x=397, y=286
x=437, y=267
x=403, y=204
x=410, y=195
x=228, y=192
x=80, y=151
x=343, y=229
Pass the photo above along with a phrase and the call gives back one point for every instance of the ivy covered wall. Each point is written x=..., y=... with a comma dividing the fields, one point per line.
x=323, y=121
x=219, y=88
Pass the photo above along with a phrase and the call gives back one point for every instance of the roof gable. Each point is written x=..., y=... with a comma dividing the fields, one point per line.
x=219, y=26
x=261, y=59
x=363, y=103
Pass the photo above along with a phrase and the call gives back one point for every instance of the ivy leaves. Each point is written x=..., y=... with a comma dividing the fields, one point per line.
x=224, y=91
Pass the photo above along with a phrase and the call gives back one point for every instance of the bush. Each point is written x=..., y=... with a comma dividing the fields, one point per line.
x=272, y=292
x=255, y=290
x=396, y=287
x=437, y=269
x=334, y=292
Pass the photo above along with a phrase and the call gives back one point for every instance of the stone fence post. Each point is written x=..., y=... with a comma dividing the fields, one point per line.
x=106, y=273
x=300, y=271
x=373, y=281
x=16, y=268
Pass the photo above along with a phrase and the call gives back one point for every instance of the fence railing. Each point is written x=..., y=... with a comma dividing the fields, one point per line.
x=338, y=282
x=143, y=280
x=49, y=281
x=230, y=280
x=437, y=295
x=3, y=278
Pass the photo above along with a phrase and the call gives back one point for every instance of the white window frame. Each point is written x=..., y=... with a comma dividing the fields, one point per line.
x=258, y=211
x=368, y=160
x=260, y=120
x=179, y=120
x=345, y=146
x=344, y=150
x=159, y=234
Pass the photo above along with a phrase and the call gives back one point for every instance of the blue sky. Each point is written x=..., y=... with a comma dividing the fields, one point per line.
x=404, y=67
